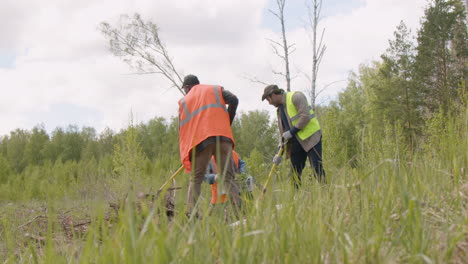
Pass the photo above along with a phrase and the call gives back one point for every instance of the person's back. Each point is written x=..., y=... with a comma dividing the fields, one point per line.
x=204, y=131
x=202, y=107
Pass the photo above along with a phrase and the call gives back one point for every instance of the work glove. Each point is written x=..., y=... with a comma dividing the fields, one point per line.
x=277, y=159
x=287, y=135
x=250, y=181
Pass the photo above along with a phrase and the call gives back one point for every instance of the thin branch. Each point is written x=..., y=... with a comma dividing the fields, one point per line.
x=254, y=80
x=278, y=73
x=292, y=51
x=275, y=14
x=320, y=46
x=305, y=75
x=319, y=58
x=32, y=220
x=274, y=42
x=328, y=85
x=275, y=50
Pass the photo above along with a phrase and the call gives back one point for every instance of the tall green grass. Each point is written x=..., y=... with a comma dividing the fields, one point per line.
x=394, y=207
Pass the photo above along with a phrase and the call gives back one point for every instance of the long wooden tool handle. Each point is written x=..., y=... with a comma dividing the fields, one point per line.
x=170, y=179
x=280, y=153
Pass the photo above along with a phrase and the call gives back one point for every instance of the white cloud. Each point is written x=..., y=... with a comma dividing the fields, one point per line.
x=354, y=38
x=61, y=57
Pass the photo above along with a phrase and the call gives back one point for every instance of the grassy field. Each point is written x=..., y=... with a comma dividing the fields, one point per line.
x=390, y=209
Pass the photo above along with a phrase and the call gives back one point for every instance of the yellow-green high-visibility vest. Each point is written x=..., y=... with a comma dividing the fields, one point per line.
x=313, y=125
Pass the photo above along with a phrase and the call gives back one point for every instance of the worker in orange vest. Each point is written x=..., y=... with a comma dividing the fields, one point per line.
x=205, y=131
x=211, y=178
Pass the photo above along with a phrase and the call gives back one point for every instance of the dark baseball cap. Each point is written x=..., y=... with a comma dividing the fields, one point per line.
x=190, y=80
x=271, y=89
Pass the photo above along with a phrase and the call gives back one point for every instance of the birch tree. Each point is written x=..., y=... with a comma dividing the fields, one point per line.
x=281, y=48
x=318, y=47
x=140, y=45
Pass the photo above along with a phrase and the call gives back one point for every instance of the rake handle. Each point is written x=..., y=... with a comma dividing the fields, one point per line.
x=280, y=153
x=171, y=178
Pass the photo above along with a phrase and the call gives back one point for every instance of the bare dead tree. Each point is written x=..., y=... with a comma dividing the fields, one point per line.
x=317, y=48
x=139, y=44
x=286, y=49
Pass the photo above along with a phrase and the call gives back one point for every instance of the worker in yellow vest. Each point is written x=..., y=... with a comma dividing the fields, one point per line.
x=298, y=126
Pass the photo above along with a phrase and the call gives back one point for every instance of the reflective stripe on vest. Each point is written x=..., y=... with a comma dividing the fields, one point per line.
x=297, y=117
x=189, y=116
x=313, y=125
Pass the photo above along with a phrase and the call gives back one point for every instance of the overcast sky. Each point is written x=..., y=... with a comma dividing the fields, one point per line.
x=56, y=68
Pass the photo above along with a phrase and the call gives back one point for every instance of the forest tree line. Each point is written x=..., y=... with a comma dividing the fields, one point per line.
x=409, y=100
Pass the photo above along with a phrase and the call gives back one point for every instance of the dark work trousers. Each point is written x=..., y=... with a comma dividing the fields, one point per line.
x=200, y=162
x=298, y=161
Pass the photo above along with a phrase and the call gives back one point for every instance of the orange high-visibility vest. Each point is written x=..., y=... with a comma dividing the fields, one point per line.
x=214, y=186
x=202, y=114
x=214, y=195
x=234, y=157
